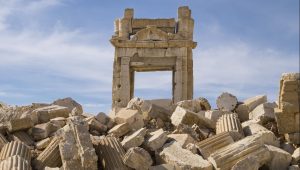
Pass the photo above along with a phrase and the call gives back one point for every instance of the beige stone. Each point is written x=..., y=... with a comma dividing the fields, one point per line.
x=15, y=163
x=292, y=138
x=19, y=124
x=230, y=123
x=94, y=124
x=163, y=167
x=287, y=122
x=183, y=116
x=280, y=159
x=138, y=158
x=59, y=121
x=253, y=102
x=294, y=167
x=22, y=136
x=133, y=117
x=172, y=153
x=182, y=139
x=263, y=112
x=226, y=102
x=70, y=104
x=156, y=139
x=249, y=163
x=15, y=148
x=42, y=131
x=50, y=156
x=44, y=114
x=242, y=111
x=212, y=144
x=3, y=141
x=119, y=130
x=192, y=147
x=214, y=115
x=135, y=139
x=42, y=144
x=110, y=153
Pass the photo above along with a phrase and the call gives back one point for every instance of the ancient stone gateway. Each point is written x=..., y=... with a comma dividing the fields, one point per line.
x=153, y=45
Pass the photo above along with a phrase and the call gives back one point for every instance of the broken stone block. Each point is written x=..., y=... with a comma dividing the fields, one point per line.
x=42, y=144
x=163, y=167
x=195, y=105
x=119, y=130
x=253, y=102
x=289, y=91
x=263, y=112
x=192, y=147
x=44, y=114
x=249, y=163
x=138, y=158
x=155, y=140
x=59, y=121
x=94, y=124
x=50, y=156
x=15, y=148
x=19, y=124
x=287, y=122
x=230, y=123
x=76, y=148
x=182, y=139
x=210, y=145
x=183, y=116
x=22, y=136
x=193, y=131
x=172, y=153
x=296, y=156
x=135, y=139
x=243, y=112
x=104, y=119
x=110, y=153
x=214, y=115
x=133, y=117
x=70, y=104
x=42, y=131
x=250, y=128
x=15, y=163
x=280, y=159
x=226, y=102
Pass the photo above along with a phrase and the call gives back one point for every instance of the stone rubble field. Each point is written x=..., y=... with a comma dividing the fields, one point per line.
x=156, y=134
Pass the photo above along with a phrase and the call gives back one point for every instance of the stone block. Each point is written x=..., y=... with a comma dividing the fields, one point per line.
x=263, y=112
x=70, y=104
x=44, y=114
x=226, y=102
x=280, y=159
x=296, y=156
x=172, y=153
x=249, y=163
x=110, y=153
x=287, y=122
x=212, y=144
x=3, y=141
x=134, y=118
x=22, y=136
x=94, y=124
x=253, y=102
x=230, y=123
x=15, y=163
x=155, y=140
x=42, y=131
x=119, y=130
x=242, y=111
x=163, y=167
x=15, y=148
x=182, y=139
x=138, y=158
x=135, y=139
x=183, y=116
x=19, y=124
x=50, y=157
x=42, y=144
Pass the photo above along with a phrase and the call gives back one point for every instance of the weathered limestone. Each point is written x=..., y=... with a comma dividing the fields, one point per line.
x=210, y=145
x=133, y=117
x=156, y=140
x=183, y=116
x=94, y=124
x=19, y=124
x=42, y=131
x=163, y=167
x=119, y=130
x=253, y=102
x=214, y=115
x=138, y=158
x=226, y=102
x=42, y=144
x=153, y=45
x=172, y=153
x=15, y=148
x=3, y=141
x=287, y=114
x=182, y=139
x=44, y=114
x=230, y=123
x=280, y=159
x=104, y=119
x=296, y=156
x=15, y=163
x=135, y=139
x=249, y=163
x=110, y=153
x=263, y=112
x=22, y=136
x=76, y=148
x=50, y=156
x=70, y=104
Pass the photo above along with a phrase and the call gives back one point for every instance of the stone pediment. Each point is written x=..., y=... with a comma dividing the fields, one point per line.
x=151, y=33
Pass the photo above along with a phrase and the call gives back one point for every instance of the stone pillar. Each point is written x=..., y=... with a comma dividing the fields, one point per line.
x=3, y=141
x=210, y=145
x=125, y=89
x=185, y=23
x=110, y=153
x=230, y=123
x=50, y=156
x=15, y=163
x=125, y=24
x=15, y=148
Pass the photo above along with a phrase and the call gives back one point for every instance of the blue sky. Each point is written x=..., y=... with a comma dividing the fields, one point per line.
x=52, y=49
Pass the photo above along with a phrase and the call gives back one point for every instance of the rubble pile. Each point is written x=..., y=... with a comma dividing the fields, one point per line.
x=248, y=135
